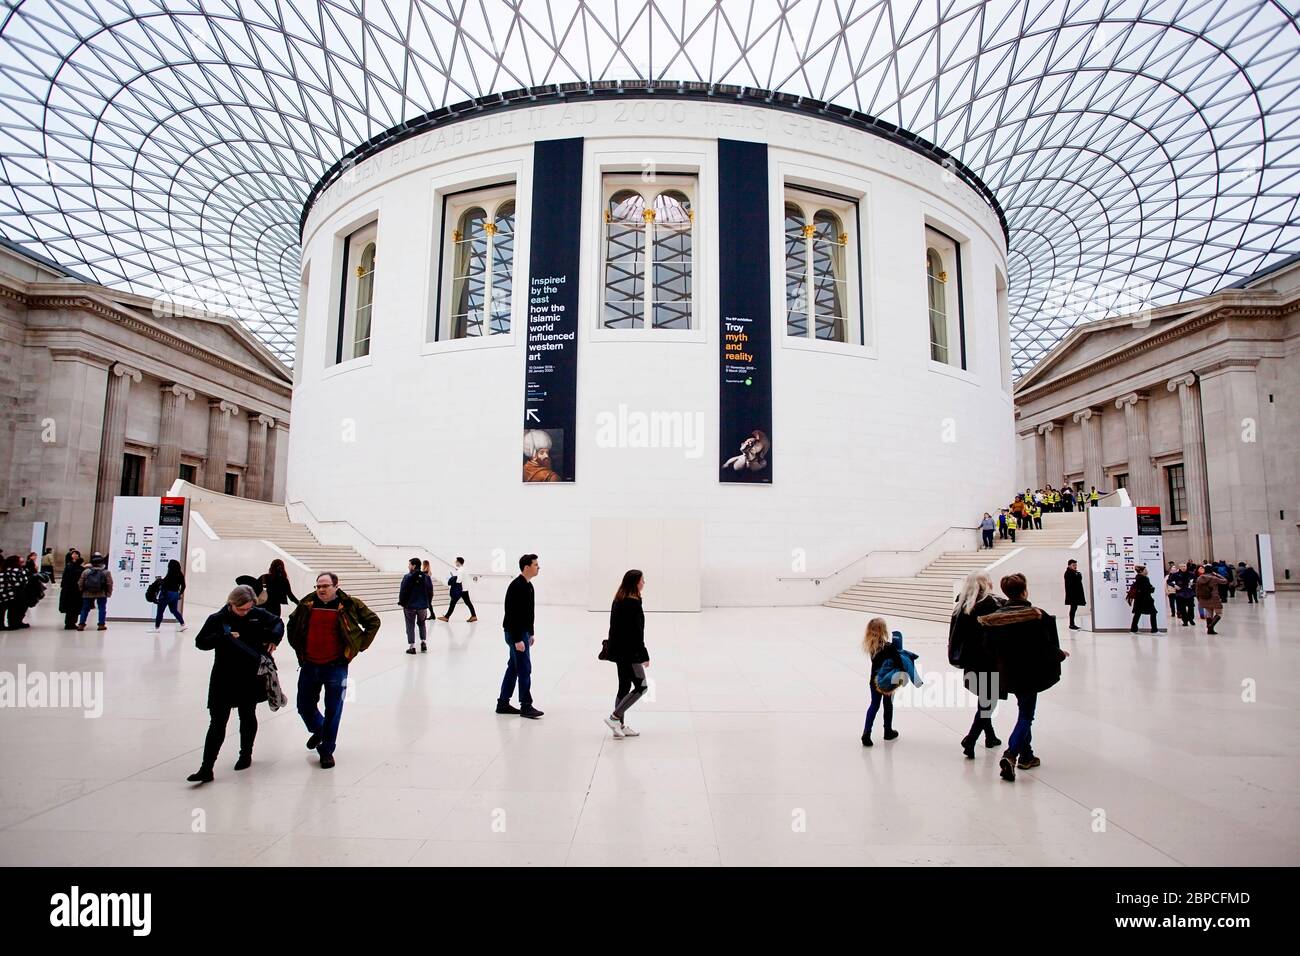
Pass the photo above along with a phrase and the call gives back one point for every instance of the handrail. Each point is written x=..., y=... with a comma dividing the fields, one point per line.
x=420, y=547
x=819, y=578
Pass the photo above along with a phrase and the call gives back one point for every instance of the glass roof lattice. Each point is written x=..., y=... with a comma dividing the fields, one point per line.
x=1143, y=151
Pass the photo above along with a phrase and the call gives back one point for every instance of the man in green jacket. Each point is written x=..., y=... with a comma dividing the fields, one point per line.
x=327, y=630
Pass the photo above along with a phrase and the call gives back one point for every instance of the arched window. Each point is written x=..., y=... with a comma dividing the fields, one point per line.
x=936, y=276
x=365, y=301
x=355, y=319
x=481, y=263
x=816, y=269
x=649, y=255
x=944, y=298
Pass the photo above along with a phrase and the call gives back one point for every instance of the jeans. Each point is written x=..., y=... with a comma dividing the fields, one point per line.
x=86, y=603
x=518, y=667
x=461, y=596
x=1018, y=745
x=217, y=732
x=333, y=678
x=632, y=686
x=876, y=698
x=415, y=616
x=169, y=601
x=988, y=539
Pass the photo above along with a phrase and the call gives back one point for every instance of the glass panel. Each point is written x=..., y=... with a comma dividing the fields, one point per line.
x=503, y=265
x=938, y=306
x=830, y=287
x=796, y=272
x=365, y=296
x=625, y=262
x=469, y=274
x=672, y=262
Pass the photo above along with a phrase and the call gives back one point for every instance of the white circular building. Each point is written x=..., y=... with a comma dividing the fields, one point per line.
x=744, y=341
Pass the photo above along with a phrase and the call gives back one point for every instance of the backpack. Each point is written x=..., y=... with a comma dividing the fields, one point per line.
x=151, y=592
x=95, y=580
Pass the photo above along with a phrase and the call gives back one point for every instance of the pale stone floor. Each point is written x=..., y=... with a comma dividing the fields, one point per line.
x=749, y=753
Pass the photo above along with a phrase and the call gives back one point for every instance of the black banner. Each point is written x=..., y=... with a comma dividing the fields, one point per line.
x=745, y=314
x=551, y=363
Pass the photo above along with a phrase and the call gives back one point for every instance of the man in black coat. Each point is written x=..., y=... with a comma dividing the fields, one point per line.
x=1249, y=579
x=1024, y=642
x=518, y=627
x=239, y=635
x=1074, y=590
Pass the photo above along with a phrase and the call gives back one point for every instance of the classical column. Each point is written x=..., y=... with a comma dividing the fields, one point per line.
x=1053, y=455
x=1040, y=458
x=1093, y=462
x=112, y=446
x=167, y=466
x=1141, y=476
x=1194, y=474
x=1235, y=465
x=255, y=473
x=214, y=471
x=272, y=450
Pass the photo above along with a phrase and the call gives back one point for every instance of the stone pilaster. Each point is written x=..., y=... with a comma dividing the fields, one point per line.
x=1089, y=420
x=1141, y=474
x=1234, y=457
x=1040, y=458
x=1199, y=541
x=255, y=474
x=269, y=491
x=1053, y=454
x=167, y=465
x=111, y=448
x=214, y=470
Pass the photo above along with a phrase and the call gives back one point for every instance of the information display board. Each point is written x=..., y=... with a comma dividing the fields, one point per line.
x=147, y=533
x=1120, y=539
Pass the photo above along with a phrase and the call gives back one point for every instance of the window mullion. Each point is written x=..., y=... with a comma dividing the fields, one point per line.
x=810, y=293
x=648, y=293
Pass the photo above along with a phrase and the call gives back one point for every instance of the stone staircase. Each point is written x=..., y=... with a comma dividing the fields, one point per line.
x=929, y=595
x=233, y=517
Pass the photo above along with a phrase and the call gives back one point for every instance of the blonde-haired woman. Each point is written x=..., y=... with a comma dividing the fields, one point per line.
x=881, y=650
x=968, y=650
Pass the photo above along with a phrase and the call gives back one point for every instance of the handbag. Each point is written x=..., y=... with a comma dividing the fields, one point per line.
x=604, y=651
x=151, y=592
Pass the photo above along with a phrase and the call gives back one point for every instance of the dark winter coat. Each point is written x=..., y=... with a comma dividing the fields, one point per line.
x=1074, y=589
x=1143, y=602
x=627, y=632
x=69, y=592
x=416, y=591
x=967, y=647
x=1207, y=591
x=234, y=681
x=278, y=594
x=1024, y=642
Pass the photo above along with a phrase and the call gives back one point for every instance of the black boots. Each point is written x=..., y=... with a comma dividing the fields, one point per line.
x=968, y=746
x=202, y=775
x=244, y=762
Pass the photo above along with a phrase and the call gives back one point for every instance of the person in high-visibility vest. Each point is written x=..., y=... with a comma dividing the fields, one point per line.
x=1094, y=497
x=1012, y=524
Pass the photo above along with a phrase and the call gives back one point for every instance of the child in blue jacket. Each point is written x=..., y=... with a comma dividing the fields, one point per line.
x=891, y=667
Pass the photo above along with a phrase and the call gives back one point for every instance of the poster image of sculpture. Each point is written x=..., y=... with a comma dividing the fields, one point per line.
x=544, y=455
x=750, y=462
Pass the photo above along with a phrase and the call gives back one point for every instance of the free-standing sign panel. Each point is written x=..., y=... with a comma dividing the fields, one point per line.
x=1119, y=539
x=551, y=362
x=147, y=533
x=745, y=314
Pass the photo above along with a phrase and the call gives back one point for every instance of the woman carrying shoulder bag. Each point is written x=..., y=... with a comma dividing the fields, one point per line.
x=626, y=648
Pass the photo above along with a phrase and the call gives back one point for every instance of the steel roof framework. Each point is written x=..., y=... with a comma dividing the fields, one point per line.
x=1143, y=150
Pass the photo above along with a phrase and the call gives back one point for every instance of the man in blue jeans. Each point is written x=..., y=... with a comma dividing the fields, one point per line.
x=518, y=628
x=327, y=630
x=1028, y=651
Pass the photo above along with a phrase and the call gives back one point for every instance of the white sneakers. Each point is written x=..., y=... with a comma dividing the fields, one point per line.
x=629, y=732
x=181, y=628
x=615, y=727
